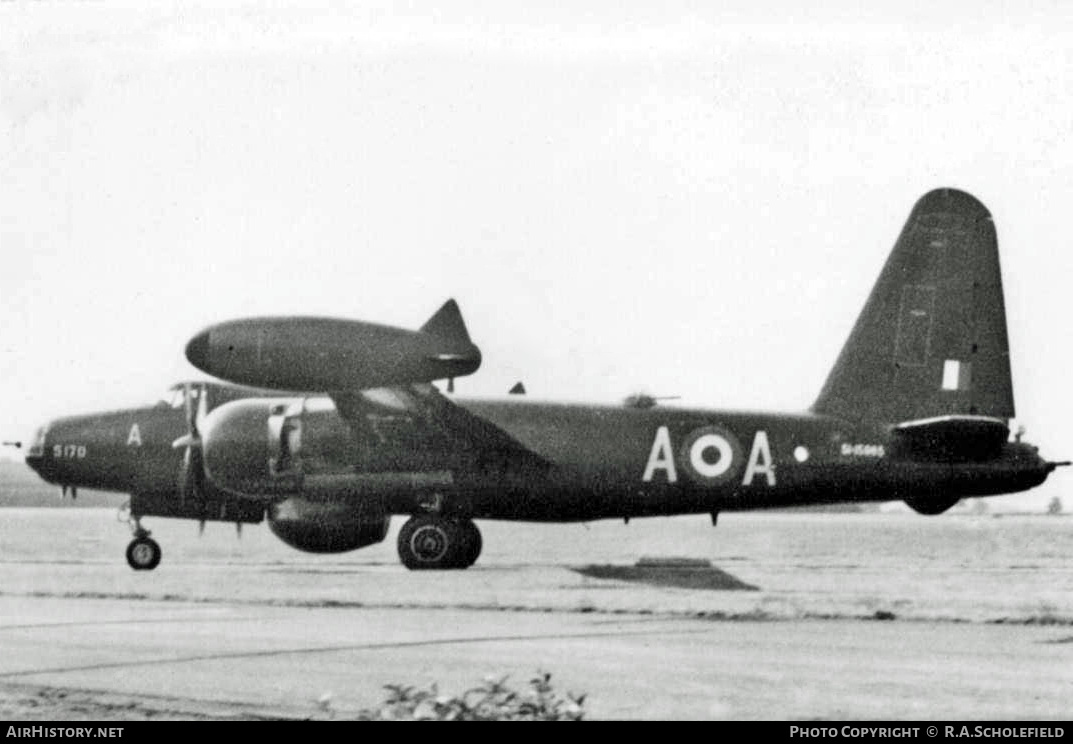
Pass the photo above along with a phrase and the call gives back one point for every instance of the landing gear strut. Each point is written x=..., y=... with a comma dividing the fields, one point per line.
x=143, y=553
x=430, y=541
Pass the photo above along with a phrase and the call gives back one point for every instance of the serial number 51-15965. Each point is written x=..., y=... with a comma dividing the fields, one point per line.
x=866, y=450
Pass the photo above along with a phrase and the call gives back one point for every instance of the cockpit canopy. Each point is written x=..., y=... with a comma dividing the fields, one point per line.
x=175, y=396
x=217, y=394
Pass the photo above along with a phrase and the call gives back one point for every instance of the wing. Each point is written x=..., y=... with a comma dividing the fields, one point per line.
x=378, y=376
x=393, y=426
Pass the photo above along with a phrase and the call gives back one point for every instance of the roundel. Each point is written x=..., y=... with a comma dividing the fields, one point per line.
x=711, y=455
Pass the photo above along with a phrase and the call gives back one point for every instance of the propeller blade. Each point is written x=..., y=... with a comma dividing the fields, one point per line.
x=192, y=471
x=188, y=407
x=184, y=477
x=192, y=476
x=202, y=411
x=186, y=440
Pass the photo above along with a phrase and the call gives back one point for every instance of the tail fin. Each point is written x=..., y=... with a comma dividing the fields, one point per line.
x=931, y=339
x=447, y=324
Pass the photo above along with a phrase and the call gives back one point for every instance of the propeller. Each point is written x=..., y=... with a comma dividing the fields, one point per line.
x=192, y=471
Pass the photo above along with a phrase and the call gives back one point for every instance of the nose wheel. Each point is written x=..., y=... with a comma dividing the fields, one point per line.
x=143, y=553
x=433, y=542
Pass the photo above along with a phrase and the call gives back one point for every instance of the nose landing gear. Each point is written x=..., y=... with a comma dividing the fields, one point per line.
x=143, y=553
x=430, y=541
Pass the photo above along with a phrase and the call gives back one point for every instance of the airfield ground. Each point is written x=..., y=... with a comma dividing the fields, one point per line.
x=807, y=616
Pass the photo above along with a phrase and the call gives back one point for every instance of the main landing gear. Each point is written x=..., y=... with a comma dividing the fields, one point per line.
x=143, y=553
x=431, y=541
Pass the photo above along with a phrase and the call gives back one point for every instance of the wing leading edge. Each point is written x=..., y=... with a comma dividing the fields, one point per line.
x=405, y=419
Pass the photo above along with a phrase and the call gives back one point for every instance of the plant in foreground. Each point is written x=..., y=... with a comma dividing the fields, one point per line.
x=492, y=700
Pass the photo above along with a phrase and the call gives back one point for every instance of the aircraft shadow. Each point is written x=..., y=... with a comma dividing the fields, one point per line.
x=682, y=574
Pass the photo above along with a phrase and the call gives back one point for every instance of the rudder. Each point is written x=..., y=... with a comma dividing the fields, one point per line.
x=932, y=338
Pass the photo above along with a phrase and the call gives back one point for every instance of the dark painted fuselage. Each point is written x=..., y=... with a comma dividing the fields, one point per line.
x=612, y=462
x=557, y=462
x=132, y=451
x=126, y=450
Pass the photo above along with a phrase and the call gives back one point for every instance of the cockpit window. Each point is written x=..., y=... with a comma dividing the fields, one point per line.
x=175, y=398
x=37, y=449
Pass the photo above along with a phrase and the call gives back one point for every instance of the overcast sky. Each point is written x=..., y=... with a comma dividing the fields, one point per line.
x=662, y=197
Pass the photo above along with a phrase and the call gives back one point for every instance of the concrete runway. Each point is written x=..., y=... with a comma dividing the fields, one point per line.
x=183, y=659
x=977, y=621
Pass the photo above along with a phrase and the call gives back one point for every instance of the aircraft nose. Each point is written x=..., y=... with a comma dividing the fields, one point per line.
x=35, y=456
x=197, y=350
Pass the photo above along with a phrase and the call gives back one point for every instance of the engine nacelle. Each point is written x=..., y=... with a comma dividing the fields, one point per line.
x=269, y=449
x=317, y=527
x=236, y=450
x=264, y=448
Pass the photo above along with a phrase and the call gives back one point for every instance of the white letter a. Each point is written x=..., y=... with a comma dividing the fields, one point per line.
x=661, y=457
x=759, y=461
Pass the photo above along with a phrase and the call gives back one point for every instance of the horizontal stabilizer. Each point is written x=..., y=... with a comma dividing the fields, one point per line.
x=951, y=437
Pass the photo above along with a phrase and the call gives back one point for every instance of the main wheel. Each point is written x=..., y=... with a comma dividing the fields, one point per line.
x=143, y=554
x=430, y=541
x=472, y=543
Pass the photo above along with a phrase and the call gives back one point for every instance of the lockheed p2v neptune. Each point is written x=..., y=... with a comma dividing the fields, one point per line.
x=916, y=408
